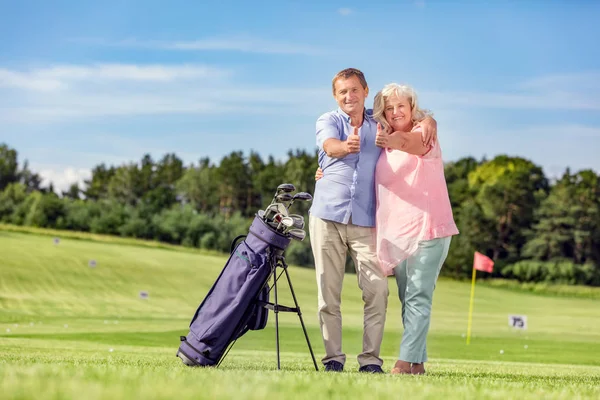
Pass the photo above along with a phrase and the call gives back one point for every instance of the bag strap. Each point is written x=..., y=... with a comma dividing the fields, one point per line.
x=233, y=243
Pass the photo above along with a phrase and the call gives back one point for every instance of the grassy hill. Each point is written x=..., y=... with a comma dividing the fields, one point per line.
x=71, y=330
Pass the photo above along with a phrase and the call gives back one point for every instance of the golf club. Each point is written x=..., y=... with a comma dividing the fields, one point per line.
x=297, y=234
x=283, y=188
x=300, y=196
x=298, y=221
x=283, y=198
x=286, y=221
x=274, y=209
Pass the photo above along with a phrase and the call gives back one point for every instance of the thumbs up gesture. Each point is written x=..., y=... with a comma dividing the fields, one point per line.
x=353, y=142
x=382, y=138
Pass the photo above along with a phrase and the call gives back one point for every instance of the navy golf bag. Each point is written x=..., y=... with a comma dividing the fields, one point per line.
x=239, y=299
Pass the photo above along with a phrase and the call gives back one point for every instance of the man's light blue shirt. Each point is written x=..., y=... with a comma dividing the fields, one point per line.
x=347, y=188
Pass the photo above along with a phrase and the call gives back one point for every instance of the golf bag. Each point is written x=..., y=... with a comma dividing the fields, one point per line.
x=239, y=299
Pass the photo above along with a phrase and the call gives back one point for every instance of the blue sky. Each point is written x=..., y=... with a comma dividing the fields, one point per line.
x=84, y=82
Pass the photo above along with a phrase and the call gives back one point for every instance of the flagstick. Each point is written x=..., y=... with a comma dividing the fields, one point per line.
x=471, y=306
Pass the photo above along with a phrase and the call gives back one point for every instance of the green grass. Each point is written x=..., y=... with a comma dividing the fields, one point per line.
x=544, y=288
x=71, y=331
x=96, y=237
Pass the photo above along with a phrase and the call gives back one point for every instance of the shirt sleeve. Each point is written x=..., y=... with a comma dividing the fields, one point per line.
x=434, y=152
x=326, y=129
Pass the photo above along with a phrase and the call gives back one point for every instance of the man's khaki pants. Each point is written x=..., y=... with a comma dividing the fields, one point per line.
x=330, y=242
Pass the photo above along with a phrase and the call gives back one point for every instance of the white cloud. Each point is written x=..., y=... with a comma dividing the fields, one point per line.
x=554, y=132
x=344, y=11
x=62, y=177
x=129, y=89
x=553, y=147
x=240, y=43
x=61, y=76
x=564, y=82
x=194, y=99
x=63, y=92
x=553, y=101
x=536, y=96
x=551, y=92
x=152, y=73
x=19, y=80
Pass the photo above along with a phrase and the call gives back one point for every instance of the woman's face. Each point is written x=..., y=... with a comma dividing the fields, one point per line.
x=398, y=113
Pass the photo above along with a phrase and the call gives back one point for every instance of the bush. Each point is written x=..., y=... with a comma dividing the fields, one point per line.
x=20, y=215
x=208, y=241
x=50, y=210
x=300, y=253
x=44, y=210
x=199, y=226
x=79, y=215
x=172, y=225
x=13, y=195
x=112, y=216
x=552, y=271
x=227, y=229
x=136, y=227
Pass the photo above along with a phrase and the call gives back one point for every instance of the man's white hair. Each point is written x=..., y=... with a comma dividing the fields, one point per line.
x=418, y=114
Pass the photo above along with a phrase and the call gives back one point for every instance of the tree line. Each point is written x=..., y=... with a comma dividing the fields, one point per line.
x=535, y=230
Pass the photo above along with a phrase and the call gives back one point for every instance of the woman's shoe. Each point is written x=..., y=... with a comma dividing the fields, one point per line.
x=401, y=367
x=417, y=369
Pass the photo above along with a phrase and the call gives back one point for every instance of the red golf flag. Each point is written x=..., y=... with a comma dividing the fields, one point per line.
x=483, y=263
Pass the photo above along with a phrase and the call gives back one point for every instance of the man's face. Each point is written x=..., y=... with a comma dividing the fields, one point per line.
x=350, y=95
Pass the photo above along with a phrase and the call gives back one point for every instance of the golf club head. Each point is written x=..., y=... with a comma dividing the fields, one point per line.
x=273, y=210
x=284, y=197
x=286, y=187
x=288, y=222
x=298, y=224
x=261, y=214
x=281, y=209
x=298, y=221
x=297, y=234
x=283, y=223
x=303, y=196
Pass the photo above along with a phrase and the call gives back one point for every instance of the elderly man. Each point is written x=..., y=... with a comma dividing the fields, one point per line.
x=342, y=218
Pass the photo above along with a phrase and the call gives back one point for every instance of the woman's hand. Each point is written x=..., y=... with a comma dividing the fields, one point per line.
x=383, y=137
x=318, y=174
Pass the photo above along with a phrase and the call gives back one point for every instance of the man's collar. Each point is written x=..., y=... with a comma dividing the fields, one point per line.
x=367, y=114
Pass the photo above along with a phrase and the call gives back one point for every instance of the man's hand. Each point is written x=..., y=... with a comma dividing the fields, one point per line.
x=428, y=131
x=336, y=148
x=318, y=174
x=398, y=140
x=382, y=138
x=353, y=142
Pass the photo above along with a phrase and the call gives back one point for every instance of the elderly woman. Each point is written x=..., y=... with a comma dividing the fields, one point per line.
x=414, y=221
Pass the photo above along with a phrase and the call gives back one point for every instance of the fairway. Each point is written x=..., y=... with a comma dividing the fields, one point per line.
x=71, y=329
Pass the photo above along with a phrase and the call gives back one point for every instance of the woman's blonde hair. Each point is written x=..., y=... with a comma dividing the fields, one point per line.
x=418, y=114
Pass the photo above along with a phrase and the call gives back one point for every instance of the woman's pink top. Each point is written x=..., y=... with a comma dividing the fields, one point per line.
x=412, y=204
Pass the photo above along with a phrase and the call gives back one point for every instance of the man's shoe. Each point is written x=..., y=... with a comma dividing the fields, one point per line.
x=371, y=368
x=334, y=366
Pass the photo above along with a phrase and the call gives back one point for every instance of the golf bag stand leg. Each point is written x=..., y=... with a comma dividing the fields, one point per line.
x=276, y=311
x=284, y=266
x=278, y=260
